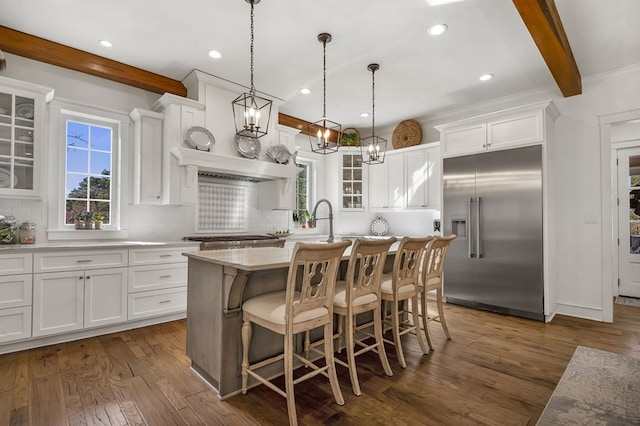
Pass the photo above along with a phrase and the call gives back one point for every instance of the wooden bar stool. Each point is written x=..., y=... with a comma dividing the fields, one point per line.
x=402, y=286
x=431, y=281
x=314, y=267
x=360, y=293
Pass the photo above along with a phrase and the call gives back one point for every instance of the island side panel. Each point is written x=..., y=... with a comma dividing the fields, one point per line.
x=204, y=318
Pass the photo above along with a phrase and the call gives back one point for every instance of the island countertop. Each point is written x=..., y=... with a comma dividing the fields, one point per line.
x=246, y=259
x=256, y=258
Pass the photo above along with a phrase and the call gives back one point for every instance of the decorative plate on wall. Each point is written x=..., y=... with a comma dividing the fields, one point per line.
x=200, y=138
x=407, y=133
x=248, y=146
x=379, y=227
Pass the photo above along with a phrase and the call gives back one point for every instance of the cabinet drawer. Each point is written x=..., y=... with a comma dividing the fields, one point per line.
x=15, y=290
x=143, y=278
x=157, y=302
x=79, y=260
x=15, y=324
x=158, y=256
x=16, y=263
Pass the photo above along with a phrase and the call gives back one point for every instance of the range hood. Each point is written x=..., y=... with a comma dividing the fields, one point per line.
x=225, y=166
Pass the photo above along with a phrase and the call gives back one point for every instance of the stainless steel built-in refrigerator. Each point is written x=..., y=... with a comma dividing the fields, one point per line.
x=493, y=202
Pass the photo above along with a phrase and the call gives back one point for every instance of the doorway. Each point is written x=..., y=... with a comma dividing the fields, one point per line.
x=628, y=166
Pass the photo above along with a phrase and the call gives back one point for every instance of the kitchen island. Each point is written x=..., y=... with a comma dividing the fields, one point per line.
x=218, y=282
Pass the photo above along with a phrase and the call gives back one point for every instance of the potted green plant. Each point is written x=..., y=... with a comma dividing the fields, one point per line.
x=79, y=220
x=350, y=137
x=98, y=219
x=307, y=216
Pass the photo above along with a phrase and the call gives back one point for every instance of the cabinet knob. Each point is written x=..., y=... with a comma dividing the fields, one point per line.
x=81, y=278
x=88, y=277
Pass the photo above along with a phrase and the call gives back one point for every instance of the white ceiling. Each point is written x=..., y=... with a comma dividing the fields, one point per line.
x=419, y=74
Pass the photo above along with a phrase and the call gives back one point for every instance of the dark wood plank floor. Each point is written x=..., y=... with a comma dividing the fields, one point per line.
x=497, y=370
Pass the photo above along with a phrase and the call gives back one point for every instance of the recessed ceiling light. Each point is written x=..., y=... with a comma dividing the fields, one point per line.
x=437, y=29
x=215, y=54
x=305, y=91
x=106, y=43
x=364, y=114
x=485, y=77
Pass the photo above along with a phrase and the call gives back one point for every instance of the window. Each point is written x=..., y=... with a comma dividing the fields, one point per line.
x=89, y=158
x=302, y=187
x=86, y=170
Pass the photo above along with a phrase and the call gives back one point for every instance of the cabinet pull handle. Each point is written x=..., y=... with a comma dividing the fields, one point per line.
x=165, y=276
x=84, y=261
x=165, y=301
x=165, y=255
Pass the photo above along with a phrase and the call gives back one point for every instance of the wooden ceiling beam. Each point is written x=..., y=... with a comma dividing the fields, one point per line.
x=42, y=50
x=293, y=122
x=543, y=22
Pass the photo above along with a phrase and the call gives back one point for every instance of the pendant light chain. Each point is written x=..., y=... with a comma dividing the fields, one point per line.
x=373, y=103
x=252, y=90
x=324, y=79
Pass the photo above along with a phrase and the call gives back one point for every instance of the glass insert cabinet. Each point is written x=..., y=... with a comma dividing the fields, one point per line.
x=22, y=108
x=352, y=181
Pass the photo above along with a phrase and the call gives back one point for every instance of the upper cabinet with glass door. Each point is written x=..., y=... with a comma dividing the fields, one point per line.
x=22, y=131
x=351, y=185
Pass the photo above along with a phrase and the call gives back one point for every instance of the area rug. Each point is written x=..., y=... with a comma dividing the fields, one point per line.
x=631, y=301
x=597, y=388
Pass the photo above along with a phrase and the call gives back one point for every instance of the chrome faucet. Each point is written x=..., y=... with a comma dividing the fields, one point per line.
x=314, y=218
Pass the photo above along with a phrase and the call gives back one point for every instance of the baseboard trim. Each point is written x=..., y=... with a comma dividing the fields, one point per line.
x=586, y=312
x=37, y=342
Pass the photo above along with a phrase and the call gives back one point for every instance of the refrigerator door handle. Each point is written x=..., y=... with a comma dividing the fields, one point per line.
x=470, y=252
x=478, y=230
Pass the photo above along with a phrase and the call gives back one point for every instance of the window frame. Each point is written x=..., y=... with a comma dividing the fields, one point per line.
x=60, y=112
x=310, y=164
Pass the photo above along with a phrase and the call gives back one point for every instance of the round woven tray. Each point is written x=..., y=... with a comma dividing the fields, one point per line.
x=407, y=133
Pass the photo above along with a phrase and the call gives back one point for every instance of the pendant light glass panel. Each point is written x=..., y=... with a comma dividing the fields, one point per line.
x=324, y=134
x=251, y=113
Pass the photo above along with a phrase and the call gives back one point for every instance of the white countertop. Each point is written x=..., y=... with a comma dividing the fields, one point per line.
x=70, y=245
x=257, y=258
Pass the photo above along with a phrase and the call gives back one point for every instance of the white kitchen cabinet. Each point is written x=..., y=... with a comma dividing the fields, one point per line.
x=153, y=303
x=23, y=117
x=424, y=177
x=60, y=260
x=15, y=296
x=15, y=290
x=352, y=182
x=179, y=183
x=157, y=281
x=15, y=324
x=500, y=130
x=73, y=300
x=160, y=255
x=386, y=183
x=73, y=290
x=147, y=156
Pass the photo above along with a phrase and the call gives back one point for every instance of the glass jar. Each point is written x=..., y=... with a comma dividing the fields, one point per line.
x=27, y=233
x=8, y=230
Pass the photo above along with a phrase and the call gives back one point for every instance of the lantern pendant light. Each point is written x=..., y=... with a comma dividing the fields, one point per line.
x=373, y=147
x=324, y=134
x=251, y=113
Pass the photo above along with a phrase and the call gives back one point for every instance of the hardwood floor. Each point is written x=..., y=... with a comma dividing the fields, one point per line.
x=497, y=370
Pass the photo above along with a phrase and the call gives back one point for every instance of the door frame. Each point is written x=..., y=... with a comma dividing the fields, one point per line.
x=613, y=136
